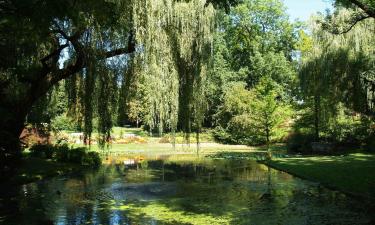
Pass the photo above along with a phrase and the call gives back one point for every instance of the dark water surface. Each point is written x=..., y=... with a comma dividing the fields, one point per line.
x=161, y=192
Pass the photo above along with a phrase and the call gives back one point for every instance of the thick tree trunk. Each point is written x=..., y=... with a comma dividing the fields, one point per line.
x=15, y=103
x=11, y=126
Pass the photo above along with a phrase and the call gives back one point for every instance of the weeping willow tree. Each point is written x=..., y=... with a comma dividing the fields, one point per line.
x=339, y=69
x=175, y=42
x=45, y=42
x=93, y=93
x=168, y=71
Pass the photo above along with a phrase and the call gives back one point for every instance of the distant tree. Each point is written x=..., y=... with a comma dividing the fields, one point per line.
x=268, y=110
x=135, y=111
x=257, y=39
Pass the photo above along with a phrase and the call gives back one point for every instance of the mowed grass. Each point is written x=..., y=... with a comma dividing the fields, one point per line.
x=352, y=173
x=167, y=148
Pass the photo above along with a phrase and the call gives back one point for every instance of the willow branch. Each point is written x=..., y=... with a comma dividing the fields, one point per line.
x=367, y=9
x=352, y=25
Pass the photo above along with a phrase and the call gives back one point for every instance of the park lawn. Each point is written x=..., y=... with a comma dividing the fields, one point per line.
x=167, y=148
x=34, y=169
x=352, y=173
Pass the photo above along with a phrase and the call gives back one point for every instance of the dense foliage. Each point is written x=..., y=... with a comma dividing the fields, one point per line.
x=241, y=68
x=253, y=73
x=237, y=76
x=65, y=154
x=337, y=83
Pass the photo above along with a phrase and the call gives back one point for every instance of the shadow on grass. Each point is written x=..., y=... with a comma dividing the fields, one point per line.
x=352, y=173
x=260, y=155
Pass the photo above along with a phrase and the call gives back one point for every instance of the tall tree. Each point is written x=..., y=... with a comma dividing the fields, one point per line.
x=338, y=69
x=177, y=51
x=44, y=41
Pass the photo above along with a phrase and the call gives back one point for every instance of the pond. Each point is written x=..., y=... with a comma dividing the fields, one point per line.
x=162, y=191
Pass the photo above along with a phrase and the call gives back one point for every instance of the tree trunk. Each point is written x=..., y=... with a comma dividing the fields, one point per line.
x=11, y=126
x=16, y=103
x=197, y=139
x=316, y=116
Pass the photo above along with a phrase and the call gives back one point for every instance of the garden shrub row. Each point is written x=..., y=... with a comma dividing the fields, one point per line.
x=65, y=154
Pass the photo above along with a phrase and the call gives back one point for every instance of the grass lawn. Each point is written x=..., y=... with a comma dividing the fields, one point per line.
x=167, y=148
x=353, y=173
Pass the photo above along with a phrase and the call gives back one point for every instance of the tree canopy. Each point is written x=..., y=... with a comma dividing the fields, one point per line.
x=239, y=67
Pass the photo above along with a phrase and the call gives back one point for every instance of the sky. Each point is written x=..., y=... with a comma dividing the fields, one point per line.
x=302, y=9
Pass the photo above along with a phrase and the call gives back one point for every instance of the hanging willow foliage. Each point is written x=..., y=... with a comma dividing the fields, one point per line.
x=174, y=48
x=341, y=67
x=175, y=41
x=88, y=103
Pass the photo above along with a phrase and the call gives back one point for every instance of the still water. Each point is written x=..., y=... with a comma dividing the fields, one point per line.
x=205, y=191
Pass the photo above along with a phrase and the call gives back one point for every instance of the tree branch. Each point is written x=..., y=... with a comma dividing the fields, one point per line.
x=120, y=51
x=53, y=54
x=351, y=26
x=366, y=8
x=49, y=76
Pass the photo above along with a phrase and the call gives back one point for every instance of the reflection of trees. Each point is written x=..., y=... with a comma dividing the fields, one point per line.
x=242, y=191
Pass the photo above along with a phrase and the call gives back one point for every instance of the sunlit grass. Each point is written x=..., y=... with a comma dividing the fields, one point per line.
x=160, y=148
x=353, y=173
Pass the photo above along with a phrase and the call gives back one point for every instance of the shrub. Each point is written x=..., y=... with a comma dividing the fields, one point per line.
x=164, y=139
x=221, y=135
x=62, y=153
x=42, y=151
x=128, y=140
x=62, y=122
x=92, y=159
x=370, y=143
x=299, y=142
x=77, y=155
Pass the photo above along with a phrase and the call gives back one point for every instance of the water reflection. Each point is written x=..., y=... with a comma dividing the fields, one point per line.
x=181, y=192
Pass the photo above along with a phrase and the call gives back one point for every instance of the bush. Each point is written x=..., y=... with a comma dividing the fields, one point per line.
x=222, y=136
x=164, y=140
x=92, y=159
x=62, y=122
x=77, y=155
x=299, y=142
x=42, y=151
x=370, y=143
x=62, y=153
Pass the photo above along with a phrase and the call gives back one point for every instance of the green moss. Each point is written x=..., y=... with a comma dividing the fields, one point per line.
x=170, y=215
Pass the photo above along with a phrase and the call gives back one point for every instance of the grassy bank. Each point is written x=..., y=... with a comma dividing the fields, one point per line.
x=167, y=148
x=352, y=173
x=34, y=169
